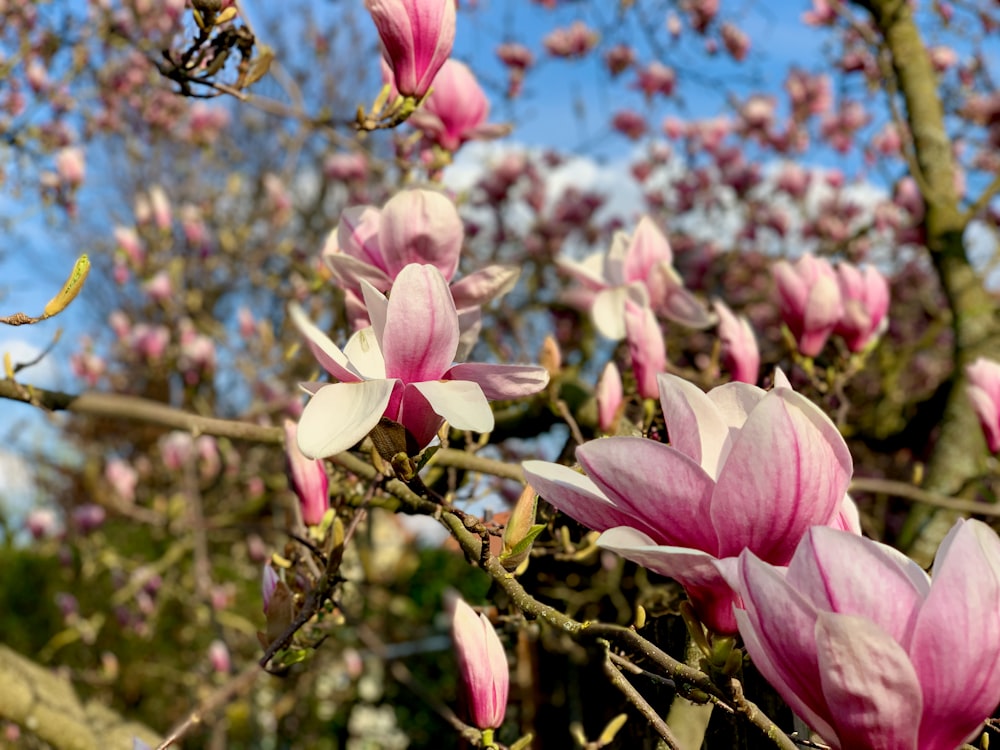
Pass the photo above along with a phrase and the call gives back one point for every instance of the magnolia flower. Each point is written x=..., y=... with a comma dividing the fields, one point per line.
x=984, y=391
x=414, y=226
x=417, y=37
x=868, y=650
x=457, y=110
x=401, y=368
x=740, y=354
x=308, y=478
x=482, y=664
x=810, y=300
x=745, y=469
x=865, y=294
x=637, y=267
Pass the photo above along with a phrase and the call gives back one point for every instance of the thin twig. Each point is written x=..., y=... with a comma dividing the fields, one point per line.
x=635, y=698
x=909, y=492
x=243, y=681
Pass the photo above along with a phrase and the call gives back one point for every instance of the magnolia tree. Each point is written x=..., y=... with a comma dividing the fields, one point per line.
x=356, y=454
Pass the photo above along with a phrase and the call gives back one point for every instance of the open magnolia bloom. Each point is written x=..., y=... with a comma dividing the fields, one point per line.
x=401, y=368
x=866, y=649
x=414, y=226
x=638, y=268
x=745, y=469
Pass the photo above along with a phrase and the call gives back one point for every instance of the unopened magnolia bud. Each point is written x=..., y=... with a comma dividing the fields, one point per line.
x=521, y=530
x=550, y=357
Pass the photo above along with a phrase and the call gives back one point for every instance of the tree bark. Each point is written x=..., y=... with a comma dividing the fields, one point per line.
x=959, y=451
x=44, y=705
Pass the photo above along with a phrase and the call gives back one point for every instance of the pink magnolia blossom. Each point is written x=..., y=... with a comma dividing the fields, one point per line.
x=810, y=300
x=638, y=267
x=865, y=293
x=482, y=664
x=308, y=478
x=984, y=391
x=414, y=226
x=456, y=111
x=740, y=354
x=870, y=652
x=417, y=37
x=745, y=469
x=401, y=368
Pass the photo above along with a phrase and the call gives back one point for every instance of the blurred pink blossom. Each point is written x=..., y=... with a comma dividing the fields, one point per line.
x=456, y=111
x=810, y=301
x=575, y=40
x=610, y=397
x=740, y=354
x=865, y=294
x=983, y=389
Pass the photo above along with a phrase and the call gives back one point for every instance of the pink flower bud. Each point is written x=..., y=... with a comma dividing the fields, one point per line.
x=218, y=657
x=810, y=301
x=610, y=397
x=482, y=664
x=984, y=391
x=417, y=37
x=268, y=583
x=739, y=345
x=646, y=347
x=308, y=477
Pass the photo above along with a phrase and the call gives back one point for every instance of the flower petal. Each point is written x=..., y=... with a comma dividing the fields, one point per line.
x=960, y=681
x=657, y=484
x=362, y=349
x=788, y=470
x=608, y=312
x=695, y=570
x=421, y=328
x=841, y=572
x=326, y=352
x=461, y=402
x=484, y=285
x=869, y=683
x=694, y=423
x=577, y=496
x=340, y=415
x=421, y=226
x=350, y=272
x=501, y=382
x=777, y=625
